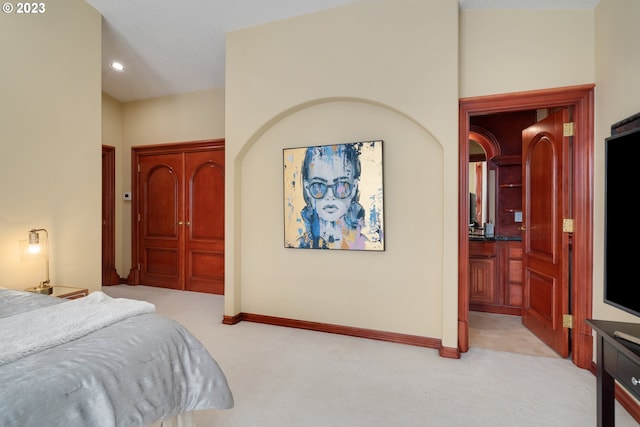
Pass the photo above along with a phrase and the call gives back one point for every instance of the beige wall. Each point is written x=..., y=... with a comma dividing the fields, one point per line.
x=414, y=282
x=504, y=51
x=397, y=84
x=390, y=67
x=50, y=135
x=112, y=120
x=185, y=117
x=180, y=118
x=373, y=70
x=617, y=97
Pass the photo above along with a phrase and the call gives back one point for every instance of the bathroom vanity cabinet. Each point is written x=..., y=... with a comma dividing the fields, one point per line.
x=495, y=276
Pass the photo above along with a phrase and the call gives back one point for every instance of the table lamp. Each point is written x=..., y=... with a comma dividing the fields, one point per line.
x=38, y=247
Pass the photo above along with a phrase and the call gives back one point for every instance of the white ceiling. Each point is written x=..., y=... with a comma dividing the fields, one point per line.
x=171, y=47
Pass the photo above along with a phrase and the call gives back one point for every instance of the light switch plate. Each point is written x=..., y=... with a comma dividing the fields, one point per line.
x=126, y=196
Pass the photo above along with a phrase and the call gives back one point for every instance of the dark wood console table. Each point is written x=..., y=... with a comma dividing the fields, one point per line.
x=617, y=359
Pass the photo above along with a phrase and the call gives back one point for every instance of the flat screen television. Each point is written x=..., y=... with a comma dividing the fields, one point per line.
x=622, y=171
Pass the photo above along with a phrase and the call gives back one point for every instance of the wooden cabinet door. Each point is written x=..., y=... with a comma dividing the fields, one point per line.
x=484, y=286
x=513, y=279
x=204, y=221
x=159, y=220
x=482, y=281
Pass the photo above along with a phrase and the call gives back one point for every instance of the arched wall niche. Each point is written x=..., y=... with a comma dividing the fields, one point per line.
x=309, y=104
x=414, y=222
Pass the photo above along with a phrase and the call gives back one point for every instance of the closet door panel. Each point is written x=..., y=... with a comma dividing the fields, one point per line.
x=159, y=217
x=204, y=243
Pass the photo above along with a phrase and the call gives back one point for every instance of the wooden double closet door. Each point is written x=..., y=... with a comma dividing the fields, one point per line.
x=178, y=216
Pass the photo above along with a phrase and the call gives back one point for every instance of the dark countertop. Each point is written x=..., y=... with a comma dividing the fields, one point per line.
x=494, y=238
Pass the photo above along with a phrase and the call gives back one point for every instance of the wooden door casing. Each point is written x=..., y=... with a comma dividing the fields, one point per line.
x=581, y=99
x=178, y=216
x=545, y=257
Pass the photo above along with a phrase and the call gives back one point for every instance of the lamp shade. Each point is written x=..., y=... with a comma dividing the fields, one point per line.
x=34, y=242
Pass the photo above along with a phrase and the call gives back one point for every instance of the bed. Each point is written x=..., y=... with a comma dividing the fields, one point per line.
x=100, y=361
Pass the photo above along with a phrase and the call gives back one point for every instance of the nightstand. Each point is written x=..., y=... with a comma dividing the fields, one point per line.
x=69, y=292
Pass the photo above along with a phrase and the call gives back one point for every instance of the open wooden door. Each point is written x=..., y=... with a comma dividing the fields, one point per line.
x=546, y=172
x=580, y=99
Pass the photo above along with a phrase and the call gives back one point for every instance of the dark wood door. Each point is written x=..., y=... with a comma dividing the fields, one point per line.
x=109, y=274
x=545, y=175
x=160, y=220
x=179, y=216
x=204, y=221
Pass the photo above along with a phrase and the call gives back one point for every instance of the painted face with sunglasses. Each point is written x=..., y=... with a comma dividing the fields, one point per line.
x=330, y=179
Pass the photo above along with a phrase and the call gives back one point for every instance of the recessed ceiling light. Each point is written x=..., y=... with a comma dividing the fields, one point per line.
x=117, y=66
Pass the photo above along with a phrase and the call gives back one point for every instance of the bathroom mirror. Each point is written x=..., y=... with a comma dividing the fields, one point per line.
x=477, y=185
x=481, y=182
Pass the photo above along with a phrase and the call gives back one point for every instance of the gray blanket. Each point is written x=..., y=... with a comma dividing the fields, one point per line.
x=134, y=372
x=46, y=327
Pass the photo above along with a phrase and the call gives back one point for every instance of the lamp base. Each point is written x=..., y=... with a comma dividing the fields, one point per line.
x=41, y=289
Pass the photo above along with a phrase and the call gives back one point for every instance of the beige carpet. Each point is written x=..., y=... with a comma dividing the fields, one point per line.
x=285, y=377
x=504, y=333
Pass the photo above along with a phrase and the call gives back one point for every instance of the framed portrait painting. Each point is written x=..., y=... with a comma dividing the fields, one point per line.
x=333, y=197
